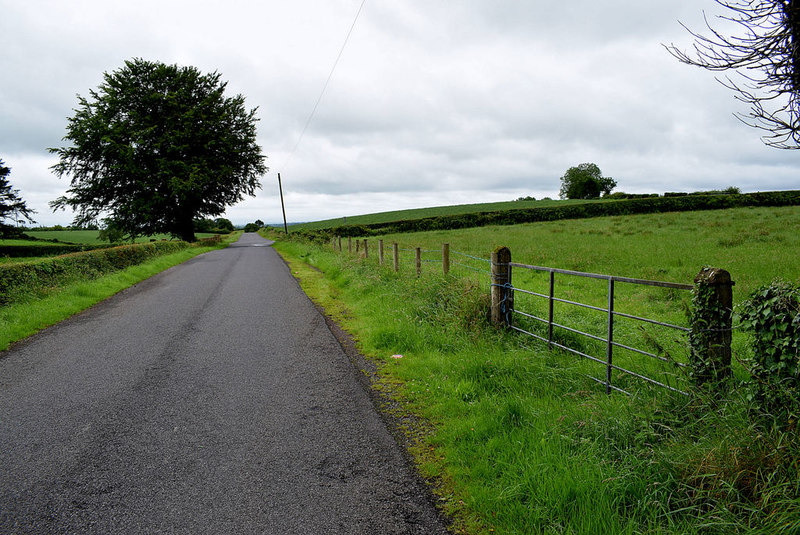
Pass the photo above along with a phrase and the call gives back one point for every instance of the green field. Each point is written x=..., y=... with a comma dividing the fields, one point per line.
x=92, y=236
x=420, y=213
x=754, y=244
x=514, y=437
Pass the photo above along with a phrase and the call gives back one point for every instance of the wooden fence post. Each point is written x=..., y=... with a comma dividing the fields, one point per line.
x=446, y=258
x=340, y=244
x=358, y=245
x=366, y=252
x=349, y=244
x=380, y=252
x=418, y=260
x=502, y=296
x=396, y=251
x=711, y=324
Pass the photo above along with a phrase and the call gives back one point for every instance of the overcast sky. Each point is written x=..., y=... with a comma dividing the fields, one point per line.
x=432, y=103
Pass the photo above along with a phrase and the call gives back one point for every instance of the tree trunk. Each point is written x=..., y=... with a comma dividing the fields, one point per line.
x=185, y=230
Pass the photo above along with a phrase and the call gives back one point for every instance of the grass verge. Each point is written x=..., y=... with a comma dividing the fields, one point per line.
x=29, y=315
x=519, y=441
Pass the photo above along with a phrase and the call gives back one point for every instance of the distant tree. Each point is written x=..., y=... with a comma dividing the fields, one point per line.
x=259, y=223
x=223, y=225
x=112, y=232
x=157, y=146
x=767, y=57
x=585, y=181
x=204, y=224
x=12, y=207
x=251, y=227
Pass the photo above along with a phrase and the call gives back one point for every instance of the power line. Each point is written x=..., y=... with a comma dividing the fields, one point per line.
x=325, y=87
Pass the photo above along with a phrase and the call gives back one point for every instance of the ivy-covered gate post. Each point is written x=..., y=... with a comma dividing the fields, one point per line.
x=711, y=324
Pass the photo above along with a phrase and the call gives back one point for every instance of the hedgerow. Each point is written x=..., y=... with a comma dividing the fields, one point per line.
x=629, y=206
x=772, y=315
x=39, y=276
x=46, y=249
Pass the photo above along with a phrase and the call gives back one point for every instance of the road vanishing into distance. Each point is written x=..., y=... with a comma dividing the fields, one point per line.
x=211, y=398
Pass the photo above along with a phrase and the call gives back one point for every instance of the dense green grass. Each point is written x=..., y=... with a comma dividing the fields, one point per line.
x=755, y=244
x=19, y=242
x=92, y=236
x=67, y=236
x=519, y=440
x=41, y=309
x=420, y=213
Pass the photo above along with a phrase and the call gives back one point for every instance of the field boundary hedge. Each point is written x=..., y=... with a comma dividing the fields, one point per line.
x=516, y=216
x=47, y=249
x=22, y=278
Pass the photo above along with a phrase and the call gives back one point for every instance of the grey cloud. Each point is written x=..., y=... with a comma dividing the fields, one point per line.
x=432, y=102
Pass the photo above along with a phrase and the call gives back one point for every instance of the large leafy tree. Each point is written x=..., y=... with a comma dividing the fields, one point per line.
x=12, y=207
x=585, y=181
x=766, y=56
x=157, y=146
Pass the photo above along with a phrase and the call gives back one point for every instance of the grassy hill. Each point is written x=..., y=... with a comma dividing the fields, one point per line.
x=435, y=211
x=515, y=212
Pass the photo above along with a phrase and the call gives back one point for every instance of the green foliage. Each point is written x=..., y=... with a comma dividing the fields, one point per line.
x=37, y=309
x=710, y=324
x=43, y=276
x=251, y=227
x=34, y=249
x=223, y=224
x=617, y=195
x=157, y=146
x=560, y=210
x=731, y=190
x=585, y=181
x=394, y=216
x=219, y=225
x=518, y=436
x=203, y=224
x=772, y=315
x=11, y=205
x=112, y=232
x=91, y=237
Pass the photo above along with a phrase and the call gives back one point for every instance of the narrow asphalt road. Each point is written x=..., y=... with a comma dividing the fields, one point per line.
x=211, y=398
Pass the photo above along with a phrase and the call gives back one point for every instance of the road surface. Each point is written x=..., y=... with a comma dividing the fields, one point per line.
x=211, y=398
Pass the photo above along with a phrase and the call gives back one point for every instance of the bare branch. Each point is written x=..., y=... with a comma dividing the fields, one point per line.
x=766, y=56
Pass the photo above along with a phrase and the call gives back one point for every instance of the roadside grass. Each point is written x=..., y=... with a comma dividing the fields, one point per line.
x=520, y=441
x=41, y=309
x=756, y=245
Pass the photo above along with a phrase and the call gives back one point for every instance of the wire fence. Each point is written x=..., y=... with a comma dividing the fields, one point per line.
x=628, y=346
x=485, y=263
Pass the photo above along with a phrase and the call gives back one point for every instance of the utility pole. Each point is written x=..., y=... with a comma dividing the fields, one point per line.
x=280, y=187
